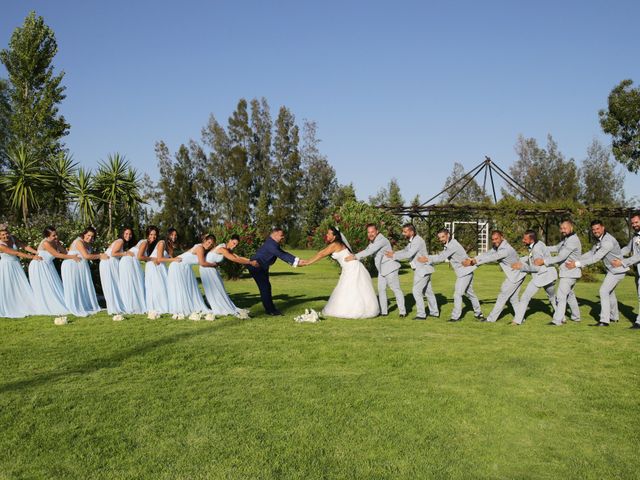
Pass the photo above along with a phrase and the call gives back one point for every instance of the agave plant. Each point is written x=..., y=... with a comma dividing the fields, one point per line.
x=84, y=196
x=24, y=180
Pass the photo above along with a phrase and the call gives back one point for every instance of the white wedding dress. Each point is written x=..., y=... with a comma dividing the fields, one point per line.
x=353, y=296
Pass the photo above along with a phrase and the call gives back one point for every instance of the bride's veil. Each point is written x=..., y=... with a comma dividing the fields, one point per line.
x=345, y=242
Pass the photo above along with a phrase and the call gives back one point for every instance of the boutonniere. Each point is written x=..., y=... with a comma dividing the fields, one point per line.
x=597, y=246
x=637, y=240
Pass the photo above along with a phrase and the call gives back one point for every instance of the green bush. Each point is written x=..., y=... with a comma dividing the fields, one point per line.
x=249, y=243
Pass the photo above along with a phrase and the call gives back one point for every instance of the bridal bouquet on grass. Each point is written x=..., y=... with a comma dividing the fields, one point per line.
x=153, y=315
x=60, y=321
x=243, y=314
x=309, y=316
x=118, y=318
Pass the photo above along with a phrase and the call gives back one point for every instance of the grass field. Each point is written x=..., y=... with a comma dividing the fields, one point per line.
x=269, y=398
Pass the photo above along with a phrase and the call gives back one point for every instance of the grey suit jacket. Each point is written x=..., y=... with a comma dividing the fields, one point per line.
x=384, y=264
x=506, y=256
x=606, y=249
x=542, y=275
x=455, y=253
x=632, y=248
x=415, y=249
x=570, y=248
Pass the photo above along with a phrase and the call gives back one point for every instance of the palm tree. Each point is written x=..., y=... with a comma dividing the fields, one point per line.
x=116, y=184
x=62, y=171
x=83, y=194
x=24, y=180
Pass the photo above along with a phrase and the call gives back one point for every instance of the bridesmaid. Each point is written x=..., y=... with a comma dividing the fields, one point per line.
x=184, y=295
x=16, y=296
x=109, y=271
x=132, y=281
x=79, y=292
x=44, y=278
x=212, y=282
x=154, y=253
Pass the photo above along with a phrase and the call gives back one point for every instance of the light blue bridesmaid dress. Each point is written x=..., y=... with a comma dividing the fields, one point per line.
x=132, y=282
x=110, y=280
x=213, y=285
x=16, y=296
x=155, y=285
x=79, y=292
x=184, y=294
x=48, y=292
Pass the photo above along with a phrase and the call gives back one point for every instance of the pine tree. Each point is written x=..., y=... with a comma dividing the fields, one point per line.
x=471, y=193
x=319, y=180
x=240, y=176
x=260, y=163
x=5, y=119
x=36, y=92
x=287, y=172
x=602, y=183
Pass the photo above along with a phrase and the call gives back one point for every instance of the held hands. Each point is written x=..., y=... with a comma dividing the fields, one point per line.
x=570, y=264
x=349, y=258
x=467, y=262
x=104, y=256
x=616, y=262
x=303, y=263
x=538, y=262
x=389, y=254
x=129, y=254
x=76, y=258
x=37, y=257
x=423, y=259
x=516, y=266
x=254, y=263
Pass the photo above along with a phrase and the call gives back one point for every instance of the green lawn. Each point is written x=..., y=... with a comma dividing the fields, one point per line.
x=269, y=398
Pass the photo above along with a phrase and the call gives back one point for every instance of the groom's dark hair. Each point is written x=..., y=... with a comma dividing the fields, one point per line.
x=410, y=226
x=372, y=225
x=277, y=229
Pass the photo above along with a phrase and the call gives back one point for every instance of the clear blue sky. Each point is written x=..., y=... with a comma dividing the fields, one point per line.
x=398, y=89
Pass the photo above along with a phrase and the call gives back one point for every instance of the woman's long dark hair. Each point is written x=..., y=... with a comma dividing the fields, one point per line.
x=169, y=245
x=338, y=237
x=126, y=245
x=151, y=246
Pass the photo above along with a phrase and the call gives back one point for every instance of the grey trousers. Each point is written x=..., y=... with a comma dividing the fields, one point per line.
x=508, y=292
x=421, y=288
x=608, y=299
x=566, y=296
x=464, y=286
x=528, y=294
x=638, y=285
x=393, y=282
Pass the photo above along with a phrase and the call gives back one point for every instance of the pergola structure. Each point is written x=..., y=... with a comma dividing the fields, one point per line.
x=539, y=215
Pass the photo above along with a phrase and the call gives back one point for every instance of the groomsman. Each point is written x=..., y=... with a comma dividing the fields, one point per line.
x=569, y=248
x=505, y=255
x=456, y=254
x=541, y=276
x=633, y=248
x=387, y=269
x=606, y=249
x=421, y=271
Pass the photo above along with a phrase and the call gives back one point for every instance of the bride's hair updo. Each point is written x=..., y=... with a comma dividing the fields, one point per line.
x=338, y=237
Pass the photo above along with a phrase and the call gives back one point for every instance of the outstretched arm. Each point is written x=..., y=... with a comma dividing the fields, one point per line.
x=232, y=257
x=325, y=252
x=371, y=249
x=24, y=246
x=8, y=250
x=84, y=253
x=202, y=259
x=57, y=254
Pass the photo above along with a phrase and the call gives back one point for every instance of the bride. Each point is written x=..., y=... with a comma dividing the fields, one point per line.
x=353, y=296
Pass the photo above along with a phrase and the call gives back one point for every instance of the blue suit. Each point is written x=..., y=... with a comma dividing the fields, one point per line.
x=266, y=256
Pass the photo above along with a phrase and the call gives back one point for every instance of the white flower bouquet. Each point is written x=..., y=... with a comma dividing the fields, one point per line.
x=209, y=317
x=177, y=316
x=60, y=321
x=153, y=315
x=195, y=316
x=118, y=318
x=309, y=316
x=243, y=313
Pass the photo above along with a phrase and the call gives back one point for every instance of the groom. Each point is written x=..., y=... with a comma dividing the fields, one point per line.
x=266, y=256
x=387, y=269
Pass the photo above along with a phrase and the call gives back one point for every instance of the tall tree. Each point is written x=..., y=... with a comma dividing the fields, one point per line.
x=239, y=175
x=460, y=193
x=621, y=120
x=219, y=187
x=5, y=119
x=180, y=207
x=287, y=172
x=600, y=181
x=544, y=172
x=260, y=163
x=342, y=195
x=319, y=179
x=36, y=91
x=389, y=195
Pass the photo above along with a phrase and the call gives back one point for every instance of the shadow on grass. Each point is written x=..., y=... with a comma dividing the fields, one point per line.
x=113, y=360
x=625, y=311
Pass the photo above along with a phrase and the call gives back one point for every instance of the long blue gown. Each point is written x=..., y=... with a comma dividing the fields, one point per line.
x=155, y=285
x=16, y=296
x=184, y=294
x=132, y=282
x=110, y=280
x=217, y=296
x=48, y=292
x=79, y=292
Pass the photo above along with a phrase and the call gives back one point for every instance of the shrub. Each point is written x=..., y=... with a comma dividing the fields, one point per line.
x=249, y=243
